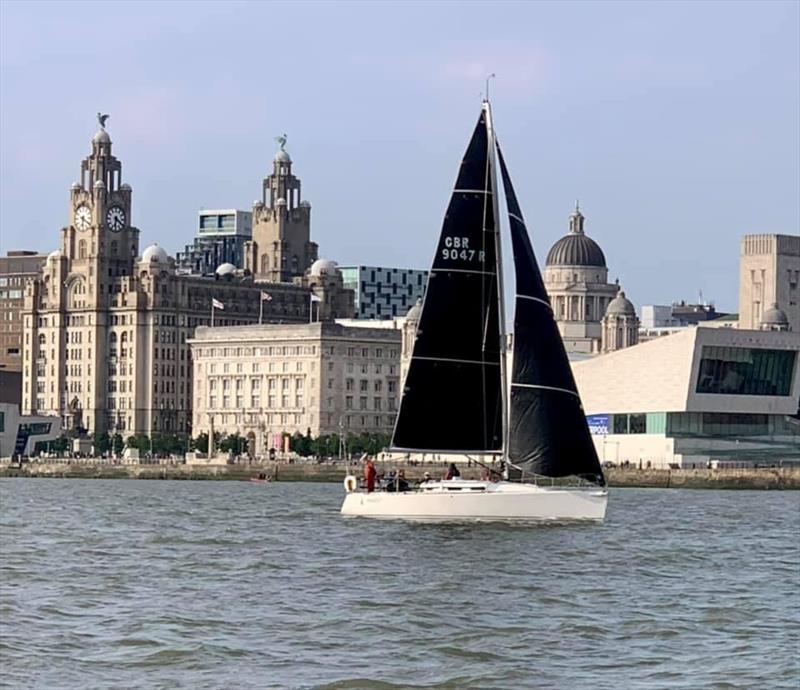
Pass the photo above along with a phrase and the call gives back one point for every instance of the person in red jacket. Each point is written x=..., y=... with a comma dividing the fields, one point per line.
x=369, y=474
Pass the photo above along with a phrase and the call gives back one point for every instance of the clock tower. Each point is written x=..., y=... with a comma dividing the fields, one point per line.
x=281, y=248
x=100, y=241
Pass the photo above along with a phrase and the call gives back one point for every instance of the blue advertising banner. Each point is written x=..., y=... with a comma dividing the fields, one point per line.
x=598, y=424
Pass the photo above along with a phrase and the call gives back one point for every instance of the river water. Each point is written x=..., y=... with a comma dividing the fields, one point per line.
x=168, y=584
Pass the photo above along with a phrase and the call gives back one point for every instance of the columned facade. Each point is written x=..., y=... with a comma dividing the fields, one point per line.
x=576, y=278
x=620, y=325
x=265, y=381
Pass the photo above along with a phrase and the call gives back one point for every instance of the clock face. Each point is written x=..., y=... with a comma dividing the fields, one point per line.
x=115, y=218
x=83, y=217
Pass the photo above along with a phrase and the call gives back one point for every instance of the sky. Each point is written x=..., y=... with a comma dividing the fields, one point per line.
x=676, y=124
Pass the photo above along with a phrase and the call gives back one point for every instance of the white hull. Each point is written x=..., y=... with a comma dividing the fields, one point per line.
x=457, y=499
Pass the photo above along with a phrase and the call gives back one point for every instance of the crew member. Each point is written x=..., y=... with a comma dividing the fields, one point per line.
x=369, y=474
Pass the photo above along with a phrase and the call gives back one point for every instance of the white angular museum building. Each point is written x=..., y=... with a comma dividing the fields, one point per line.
x=704, y=396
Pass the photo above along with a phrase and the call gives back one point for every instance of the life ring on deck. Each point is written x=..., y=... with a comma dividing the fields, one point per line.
x=350, y=483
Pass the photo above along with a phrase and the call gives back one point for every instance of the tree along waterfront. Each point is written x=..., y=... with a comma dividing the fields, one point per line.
x=165, y=445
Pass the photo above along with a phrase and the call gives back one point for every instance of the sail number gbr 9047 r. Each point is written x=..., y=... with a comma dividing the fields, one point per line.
x=457, y=249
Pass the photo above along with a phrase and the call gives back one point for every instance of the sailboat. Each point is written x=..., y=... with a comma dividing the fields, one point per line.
x=458, y=397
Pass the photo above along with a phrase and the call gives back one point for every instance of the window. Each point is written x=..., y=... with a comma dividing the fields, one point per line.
x=745, y=371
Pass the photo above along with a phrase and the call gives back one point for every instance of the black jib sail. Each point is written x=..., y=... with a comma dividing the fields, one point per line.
x=452, y=394
x=548, y=433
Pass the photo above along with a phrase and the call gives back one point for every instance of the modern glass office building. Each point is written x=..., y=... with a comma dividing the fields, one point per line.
x=220, y=239
x=383, y=293
x=704, y=395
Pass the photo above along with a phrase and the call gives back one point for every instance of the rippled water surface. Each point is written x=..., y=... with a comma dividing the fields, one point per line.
x=137, y=584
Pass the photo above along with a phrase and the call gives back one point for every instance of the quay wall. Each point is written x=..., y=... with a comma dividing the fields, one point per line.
x=720, y=478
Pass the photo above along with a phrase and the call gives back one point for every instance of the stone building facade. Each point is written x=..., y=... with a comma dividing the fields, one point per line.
x=106, y=329
x=576, y=278
x=620, y=324
x=15, y=270
x=281, y=249
x=769, y=274
x=264, y=381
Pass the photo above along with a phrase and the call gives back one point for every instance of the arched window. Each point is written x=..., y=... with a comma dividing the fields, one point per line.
x=113, y=337
x=295, y=264
x=42, y=339
x=82, y=249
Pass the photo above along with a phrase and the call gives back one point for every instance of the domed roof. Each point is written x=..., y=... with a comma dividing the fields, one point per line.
x=280, y=201
x=76, y=185
x=99, y=184
x=282, y=157
x=154, y=253
x=323, y=267
x=225, y=269
x=54, y=256
x=575, y=248
x=125, y=186
x=620, y=306
x=101, y=137
x=415, y=312
x=305, y=204
x=774, y=316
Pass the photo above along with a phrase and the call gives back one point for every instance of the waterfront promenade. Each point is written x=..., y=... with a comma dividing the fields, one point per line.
x=98, y=468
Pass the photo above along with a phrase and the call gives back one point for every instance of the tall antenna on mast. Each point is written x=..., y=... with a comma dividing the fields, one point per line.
x=491, y=76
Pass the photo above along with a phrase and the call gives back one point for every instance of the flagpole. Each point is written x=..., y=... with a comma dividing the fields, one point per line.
x=311, y=307
x=260, y=308
x=212, y=313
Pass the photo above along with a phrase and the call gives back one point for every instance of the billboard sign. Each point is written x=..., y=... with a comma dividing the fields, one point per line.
x=598, y=424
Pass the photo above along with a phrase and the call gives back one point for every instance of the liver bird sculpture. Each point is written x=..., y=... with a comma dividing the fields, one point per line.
x=102, y=119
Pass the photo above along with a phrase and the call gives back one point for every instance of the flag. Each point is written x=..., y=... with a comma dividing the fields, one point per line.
x=314, y=298
x=217, y=304
x=266, y=297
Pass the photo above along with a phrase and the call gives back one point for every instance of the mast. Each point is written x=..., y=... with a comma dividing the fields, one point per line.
x=487, y=107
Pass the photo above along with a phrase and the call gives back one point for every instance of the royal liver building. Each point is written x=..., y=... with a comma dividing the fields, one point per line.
x=106, y=329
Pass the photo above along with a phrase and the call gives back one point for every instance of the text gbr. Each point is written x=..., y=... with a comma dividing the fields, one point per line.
x=458, y=248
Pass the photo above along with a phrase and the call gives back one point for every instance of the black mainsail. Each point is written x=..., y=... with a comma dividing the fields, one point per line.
x=452, y=398
x=548, y=434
